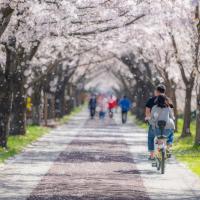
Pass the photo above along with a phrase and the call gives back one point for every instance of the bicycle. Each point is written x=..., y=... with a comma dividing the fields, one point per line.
x=161, y=149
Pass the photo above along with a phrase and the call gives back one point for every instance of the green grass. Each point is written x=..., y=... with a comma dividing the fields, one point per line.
x=140, y=123
x=183, y=148
x=17, y=143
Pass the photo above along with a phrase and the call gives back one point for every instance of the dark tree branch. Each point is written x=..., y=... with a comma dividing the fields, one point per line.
x=103, y=30
x=34, y=50
x=179, y=62
x=5, y=19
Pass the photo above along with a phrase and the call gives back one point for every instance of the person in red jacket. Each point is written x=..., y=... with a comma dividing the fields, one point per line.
x=112, y=104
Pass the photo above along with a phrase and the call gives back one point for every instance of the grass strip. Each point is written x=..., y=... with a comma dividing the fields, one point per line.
x=17, y=143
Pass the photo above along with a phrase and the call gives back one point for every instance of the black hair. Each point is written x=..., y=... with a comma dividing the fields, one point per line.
x=161, y=88
x=161, y=101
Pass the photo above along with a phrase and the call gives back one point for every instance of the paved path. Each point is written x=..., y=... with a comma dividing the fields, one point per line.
x=93, y=160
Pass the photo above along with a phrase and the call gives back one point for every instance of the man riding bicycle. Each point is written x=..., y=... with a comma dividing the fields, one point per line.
x=162, y=112
x=162, y=122
x=160, y=90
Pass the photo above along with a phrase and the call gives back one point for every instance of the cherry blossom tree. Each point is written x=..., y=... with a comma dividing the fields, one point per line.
x=48, y=46
x=187, y=58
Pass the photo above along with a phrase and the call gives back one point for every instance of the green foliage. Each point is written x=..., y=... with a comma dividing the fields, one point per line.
x=17, y=143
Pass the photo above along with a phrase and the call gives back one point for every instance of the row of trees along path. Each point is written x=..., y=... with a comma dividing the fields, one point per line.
x=51, y=50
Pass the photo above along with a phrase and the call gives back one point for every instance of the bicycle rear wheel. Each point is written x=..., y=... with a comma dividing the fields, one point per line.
x=163, y=162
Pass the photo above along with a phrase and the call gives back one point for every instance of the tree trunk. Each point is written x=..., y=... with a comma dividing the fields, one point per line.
x=5, y=107
x=174, y=100
x=6, y=98
x=45, y=109
x=143, y=93
x=171, y=93
x=60, y=103
x=187, y=113
x=36, y=109
x=18, y=122
x=53, y=112
x=140, y=105
x=197, y=137
x=36, y=115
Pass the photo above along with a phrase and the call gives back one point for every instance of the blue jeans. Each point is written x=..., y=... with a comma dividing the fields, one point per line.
x=153, y=132
x=170, y=139
x=151, y=136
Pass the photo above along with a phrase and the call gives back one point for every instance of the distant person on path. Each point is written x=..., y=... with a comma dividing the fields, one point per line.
x=102, y=106
x=160, y=90
x=125, y=105
x=112, y=104
x=92, y=106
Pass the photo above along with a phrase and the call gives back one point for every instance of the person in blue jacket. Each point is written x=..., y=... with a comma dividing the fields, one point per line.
x=125, y=105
